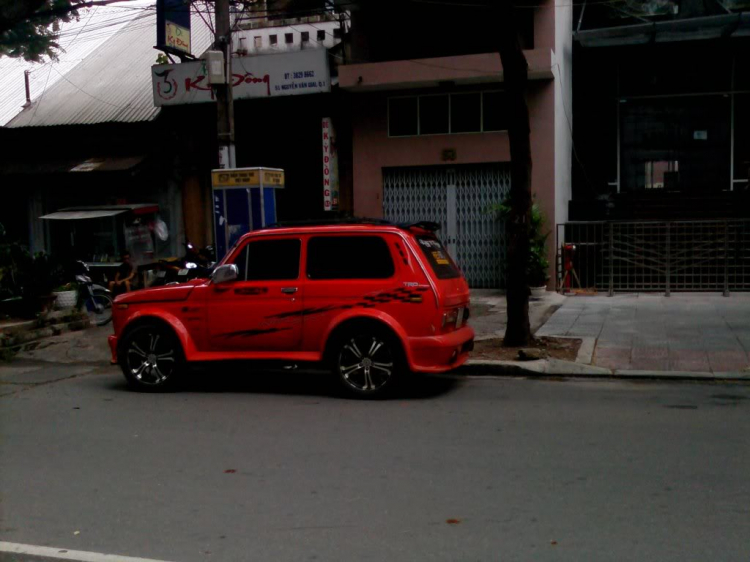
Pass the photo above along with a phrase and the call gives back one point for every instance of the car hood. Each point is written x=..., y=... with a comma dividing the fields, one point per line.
x=169, y=293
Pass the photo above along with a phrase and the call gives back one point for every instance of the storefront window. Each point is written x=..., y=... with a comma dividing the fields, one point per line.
x=466, y=113
x=403, y=117
x=433, y=115
x=675, y=143
x=741, y=141
x=661, y=174
x=494, y=116
x=439, y=114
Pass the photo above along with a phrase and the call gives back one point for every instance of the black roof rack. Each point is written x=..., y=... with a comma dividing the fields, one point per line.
x=424, y=225
x=330, y=221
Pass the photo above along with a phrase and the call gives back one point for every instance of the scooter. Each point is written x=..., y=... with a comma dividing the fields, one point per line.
x=96, y=299
x=173, y=273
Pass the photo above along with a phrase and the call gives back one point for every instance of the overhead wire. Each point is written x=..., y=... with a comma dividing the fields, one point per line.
x=52, y=67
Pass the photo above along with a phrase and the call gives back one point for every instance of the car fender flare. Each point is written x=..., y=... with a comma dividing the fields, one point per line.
x=188, y=345
x=374, y=315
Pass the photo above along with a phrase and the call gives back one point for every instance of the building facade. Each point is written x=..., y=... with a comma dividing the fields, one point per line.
x=429, y=121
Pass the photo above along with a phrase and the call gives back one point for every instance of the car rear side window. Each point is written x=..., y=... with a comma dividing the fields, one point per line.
x=440, y=261
x=349, y=257
x=269, y=260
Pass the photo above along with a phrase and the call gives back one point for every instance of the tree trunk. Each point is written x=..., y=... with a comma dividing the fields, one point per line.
x=515, y=76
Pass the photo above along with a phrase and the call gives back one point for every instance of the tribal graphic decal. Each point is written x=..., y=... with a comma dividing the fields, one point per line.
x=409, y=295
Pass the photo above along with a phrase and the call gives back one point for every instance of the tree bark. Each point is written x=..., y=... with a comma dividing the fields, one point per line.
x=515, y=77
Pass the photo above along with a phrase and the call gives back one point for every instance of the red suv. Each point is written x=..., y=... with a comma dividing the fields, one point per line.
x=371, y=300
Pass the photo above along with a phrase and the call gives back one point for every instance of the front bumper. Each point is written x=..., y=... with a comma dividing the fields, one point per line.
x=438, y=354
x=112, y=341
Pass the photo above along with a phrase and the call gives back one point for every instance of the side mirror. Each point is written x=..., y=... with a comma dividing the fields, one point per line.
x=225, y=274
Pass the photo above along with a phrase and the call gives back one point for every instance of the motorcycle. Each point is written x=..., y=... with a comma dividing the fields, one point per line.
x=96, y=299
x=186, y=269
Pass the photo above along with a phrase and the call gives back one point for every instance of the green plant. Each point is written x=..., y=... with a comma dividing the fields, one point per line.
x=537, y=265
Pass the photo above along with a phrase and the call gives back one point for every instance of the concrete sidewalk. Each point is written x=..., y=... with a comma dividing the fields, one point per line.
x=645, y=332
x=489, y=311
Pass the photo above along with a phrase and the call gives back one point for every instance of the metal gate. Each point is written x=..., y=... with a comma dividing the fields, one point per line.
x=627, y=256
x=458, y=198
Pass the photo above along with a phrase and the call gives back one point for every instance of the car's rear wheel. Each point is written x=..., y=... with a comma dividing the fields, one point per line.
x=367, y=362
x=151, y=358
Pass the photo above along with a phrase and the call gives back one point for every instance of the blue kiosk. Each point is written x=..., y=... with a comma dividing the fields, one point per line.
x=244, y=200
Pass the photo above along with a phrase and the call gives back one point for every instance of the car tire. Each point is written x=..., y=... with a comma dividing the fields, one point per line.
x=367, y=361
x=151, y=358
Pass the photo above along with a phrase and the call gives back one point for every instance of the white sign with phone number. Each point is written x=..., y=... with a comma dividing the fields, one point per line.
x=283, y=74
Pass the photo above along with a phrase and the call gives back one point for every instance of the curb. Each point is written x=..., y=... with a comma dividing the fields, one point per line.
x=556, y=368
x=12, y=343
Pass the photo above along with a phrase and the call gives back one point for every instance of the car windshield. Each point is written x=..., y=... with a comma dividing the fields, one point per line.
x=439, y=259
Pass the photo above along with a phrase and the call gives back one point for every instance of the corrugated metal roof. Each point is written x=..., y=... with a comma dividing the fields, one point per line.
x=112, y=84
x=77, y=39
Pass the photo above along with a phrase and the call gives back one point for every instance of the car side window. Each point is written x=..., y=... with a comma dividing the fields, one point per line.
x=349, y=257
x=269, y=260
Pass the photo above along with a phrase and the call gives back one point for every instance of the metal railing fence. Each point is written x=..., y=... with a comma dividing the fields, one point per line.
x=663, y=256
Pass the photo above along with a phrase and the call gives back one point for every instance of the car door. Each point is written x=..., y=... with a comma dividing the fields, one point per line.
x=261, y=311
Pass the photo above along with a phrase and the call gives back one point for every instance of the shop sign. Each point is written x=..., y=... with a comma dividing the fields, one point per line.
x=246, y=177
x=178, y=37
x=284, y=74
x=330, y=167
x=173, y=25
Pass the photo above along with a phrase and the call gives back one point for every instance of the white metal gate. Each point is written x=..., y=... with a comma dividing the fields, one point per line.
x=458, y=198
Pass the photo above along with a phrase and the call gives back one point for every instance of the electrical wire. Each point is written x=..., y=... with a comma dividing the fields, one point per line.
x=51, y=68
x=85, y=92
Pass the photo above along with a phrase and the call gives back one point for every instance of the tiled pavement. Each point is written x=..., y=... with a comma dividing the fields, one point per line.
x=684, y=332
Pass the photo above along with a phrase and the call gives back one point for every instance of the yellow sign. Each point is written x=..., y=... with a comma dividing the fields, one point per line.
x=178, y=37
x=273, y=178
x=247, y=177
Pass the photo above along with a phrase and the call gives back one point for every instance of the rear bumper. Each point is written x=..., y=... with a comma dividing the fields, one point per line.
x=438, y=354
x=112, y=341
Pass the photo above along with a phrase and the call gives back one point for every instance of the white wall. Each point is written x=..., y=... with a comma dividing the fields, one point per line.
x=563, y=71
x=247, y=38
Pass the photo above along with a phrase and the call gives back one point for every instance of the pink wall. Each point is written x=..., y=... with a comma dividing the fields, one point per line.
x=373, y=151
x=464, y=69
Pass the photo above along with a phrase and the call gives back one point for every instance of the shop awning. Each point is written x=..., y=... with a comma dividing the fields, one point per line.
x=78, y=213
x=688, y=29
x=73, y=165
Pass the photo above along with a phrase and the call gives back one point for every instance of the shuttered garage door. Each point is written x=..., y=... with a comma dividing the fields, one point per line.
x=458, y=198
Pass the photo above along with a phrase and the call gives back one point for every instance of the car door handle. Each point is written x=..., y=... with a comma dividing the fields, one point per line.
x=289, y=290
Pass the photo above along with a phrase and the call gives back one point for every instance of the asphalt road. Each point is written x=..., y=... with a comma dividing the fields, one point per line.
x=276, y=467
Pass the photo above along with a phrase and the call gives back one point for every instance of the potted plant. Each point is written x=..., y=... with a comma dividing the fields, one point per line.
x=67, y=296
x=38, y=276
x=537, y=266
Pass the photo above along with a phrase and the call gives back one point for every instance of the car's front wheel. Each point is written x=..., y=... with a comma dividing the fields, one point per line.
x=367, y=362
x=151, y=358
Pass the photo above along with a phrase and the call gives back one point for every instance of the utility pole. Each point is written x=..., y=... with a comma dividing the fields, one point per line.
x=223, y=92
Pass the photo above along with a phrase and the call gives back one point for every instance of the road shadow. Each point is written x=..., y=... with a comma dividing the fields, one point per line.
x=242, y=378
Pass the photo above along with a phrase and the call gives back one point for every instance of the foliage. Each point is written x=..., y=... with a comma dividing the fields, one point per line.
x=25, y=275
x=537, y=262
x=28, y=28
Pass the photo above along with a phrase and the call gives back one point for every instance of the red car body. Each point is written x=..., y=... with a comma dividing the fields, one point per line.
x=423, y=302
